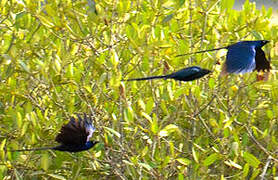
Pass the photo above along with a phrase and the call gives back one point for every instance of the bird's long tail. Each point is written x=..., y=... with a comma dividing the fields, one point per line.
x=148, y=78
x=34, y=149
x=202, y=51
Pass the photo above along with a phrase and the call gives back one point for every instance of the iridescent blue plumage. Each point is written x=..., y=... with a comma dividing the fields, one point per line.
x=186, y=74
x=243, y=57
x=74, y=136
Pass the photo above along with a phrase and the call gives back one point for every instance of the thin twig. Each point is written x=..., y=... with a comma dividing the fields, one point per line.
x=200, y=111
x=11, y=44
x=258, y=144
x=266, y=167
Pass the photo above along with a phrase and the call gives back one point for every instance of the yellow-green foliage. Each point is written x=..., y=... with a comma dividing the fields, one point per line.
x=68, y=57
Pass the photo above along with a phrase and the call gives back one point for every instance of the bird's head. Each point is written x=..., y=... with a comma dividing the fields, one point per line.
x=263, y=42
x=206, y=71
x=256, y=44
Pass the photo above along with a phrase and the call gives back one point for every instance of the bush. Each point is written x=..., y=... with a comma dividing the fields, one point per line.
x=65, y=57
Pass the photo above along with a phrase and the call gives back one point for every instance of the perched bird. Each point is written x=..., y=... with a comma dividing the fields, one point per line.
x=243, y=57
x=73, y=136
x=186, y=74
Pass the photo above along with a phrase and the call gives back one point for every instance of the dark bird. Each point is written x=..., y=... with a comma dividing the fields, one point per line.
x=243, y=57
x=186, y=74
x=73, y=136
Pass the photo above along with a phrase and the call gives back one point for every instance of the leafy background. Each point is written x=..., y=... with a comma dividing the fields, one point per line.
x=65, y=57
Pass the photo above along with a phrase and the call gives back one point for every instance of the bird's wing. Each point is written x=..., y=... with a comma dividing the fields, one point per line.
x=76, y=132
x=240, y=59
x=262, y=64
x=89, y=128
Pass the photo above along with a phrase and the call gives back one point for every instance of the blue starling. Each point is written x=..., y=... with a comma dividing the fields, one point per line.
x=243, y=57
x=73, y=136
x=186, y=74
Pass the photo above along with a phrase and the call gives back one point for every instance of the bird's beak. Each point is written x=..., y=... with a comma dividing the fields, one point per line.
x=208, y=71
x=265, y=42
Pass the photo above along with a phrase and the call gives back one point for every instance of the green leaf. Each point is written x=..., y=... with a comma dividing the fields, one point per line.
x=2, y=152
x=55, y=176
x=269, y=114
x=255, y=173
x=113, y=131
x=181, y=176
x=245, y=170
x=257, y=35
x=141, y=104
x=235, y=148
x=228, y=122
x=181, y=2
x=251, y=159
x=211, y=83
x=146, y=166
x=129, y=114
x=3, y=3
x=168, y=18
x=57, y=64
x=114, y=58
x=154, y=124
x=24, y=66
x=149, y=106
x=227, y=4
x=24, y=128
x=145, y=115
x=45, y=161
x=211, y=159
x=19, y=19
x=18, y=120
x=184, y=161
x=3, y=144
x=195, y=156
x=171, y=128
x=233, y=164
x=128, y=163
x=45, y=21
x=145, y=151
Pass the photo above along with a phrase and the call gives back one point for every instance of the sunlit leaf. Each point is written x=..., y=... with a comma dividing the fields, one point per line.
x=195, y=156
x=46, y=21
x=233, y=164
x=55, y=176
x=146, y=166
x=211, y=159
x=113, y=131
x=184, y=161
x=245, y=170
x=62, y=58
x=24, y=66
x=45, y=161
x=171, y=128
x=227, y=4
x=251, y=159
